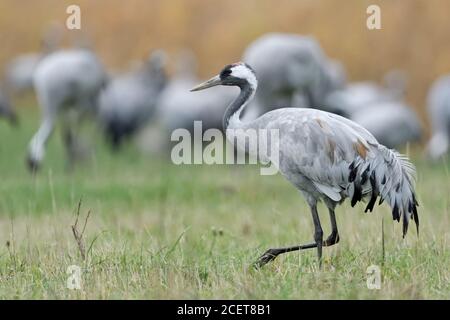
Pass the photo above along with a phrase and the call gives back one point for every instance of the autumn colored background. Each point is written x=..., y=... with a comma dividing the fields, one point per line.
x=414, y=35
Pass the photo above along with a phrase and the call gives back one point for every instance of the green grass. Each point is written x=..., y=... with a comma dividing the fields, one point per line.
x=164, y=231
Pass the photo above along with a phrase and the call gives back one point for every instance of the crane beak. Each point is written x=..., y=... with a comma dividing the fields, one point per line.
x=215, y=81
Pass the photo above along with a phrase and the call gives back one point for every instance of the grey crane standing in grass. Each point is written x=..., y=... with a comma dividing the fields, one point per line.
x=325, y=156
x=439, y=113
x=356, y=96
x=293, y=71
x=129, y=101
x=392, y=123
x=67, y=84
x=379, y=109
x=178, y=108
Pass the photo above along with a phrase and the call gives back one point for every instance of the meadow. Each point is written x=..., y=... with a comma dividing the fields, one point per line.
x=160, y=231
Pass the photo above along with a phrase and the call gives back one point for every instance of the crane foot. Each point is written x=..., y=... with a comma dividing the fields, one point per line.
x=267, y=257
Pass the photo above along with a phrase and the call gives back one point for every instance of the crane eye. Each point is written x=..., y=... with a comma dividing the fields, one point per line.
x=225, y=73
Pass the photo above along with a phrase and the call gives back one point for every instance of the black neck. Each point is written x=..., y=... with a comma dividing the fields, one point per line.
x=244, y=96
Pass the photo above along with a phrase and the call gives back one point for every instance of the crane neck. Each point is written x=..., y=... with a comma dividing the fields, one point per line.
x=232, y=117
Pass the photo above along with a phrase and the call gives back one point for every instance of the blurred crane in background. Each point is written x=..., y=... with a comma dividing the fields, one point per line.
x=178, y=108
x=439, y=113
x=129, y=101
x=293, y=71
x=67, y=84
x=357, y=95
x=393, y=123
x=379, y=108
x=325, y=156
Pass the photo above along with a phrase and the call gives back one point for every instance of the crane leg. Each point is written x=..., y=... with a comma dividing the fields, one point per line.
x=75, y=150
x=334, y=236
x=271, y=254
x=37, y=145
x=69, y=123
x=318, y=233
x=70, y=145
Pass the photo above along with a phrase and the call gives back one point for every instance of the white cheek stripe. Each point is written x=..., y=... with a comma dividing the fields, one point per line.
x=242, y=72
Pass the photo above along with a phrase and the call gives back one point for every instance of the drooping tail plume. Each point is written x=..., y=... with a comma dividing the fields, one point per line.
x=390, y=176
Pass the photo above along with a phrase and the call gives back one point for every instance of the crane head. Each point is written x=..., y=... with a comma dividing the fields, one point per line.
x=236, y=74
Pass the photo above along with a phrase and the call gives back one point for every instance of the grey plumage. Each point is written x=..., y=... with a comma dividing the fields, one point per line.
x=325, y=156
x=67, y=83
x=317, y=150
x=129, y=101
x=439, y=114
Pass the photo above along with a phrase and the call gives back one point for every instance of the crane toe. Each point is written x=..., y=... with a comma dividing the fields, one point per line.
x=331, y=240
x=267, y=257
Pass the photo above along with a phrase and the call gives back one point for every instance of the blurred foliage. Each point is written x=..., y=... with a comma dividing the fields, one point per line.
x=414, y=36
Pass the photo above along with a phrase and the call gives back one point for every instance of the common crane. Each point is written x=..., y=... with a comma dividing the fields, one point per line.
x=325, y=156
x=177, y=108
x=378, y=108
x=67, y=84
x=289, y=67
x=355, y=96
x=439, y=113
x=129, y=101
x=393, y=124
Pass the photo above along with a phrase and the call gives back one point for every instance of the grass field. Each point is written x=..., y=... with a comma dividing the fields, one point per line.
x=162, y=231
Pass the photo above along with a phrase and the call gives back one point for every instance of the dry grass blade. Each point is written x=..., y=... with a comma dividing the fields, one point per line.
x=382, y=242
x=79, y=235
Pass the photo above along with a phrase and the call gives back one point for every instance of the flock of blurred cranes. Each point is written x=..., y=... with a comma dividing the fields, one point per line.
x=293, y=71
